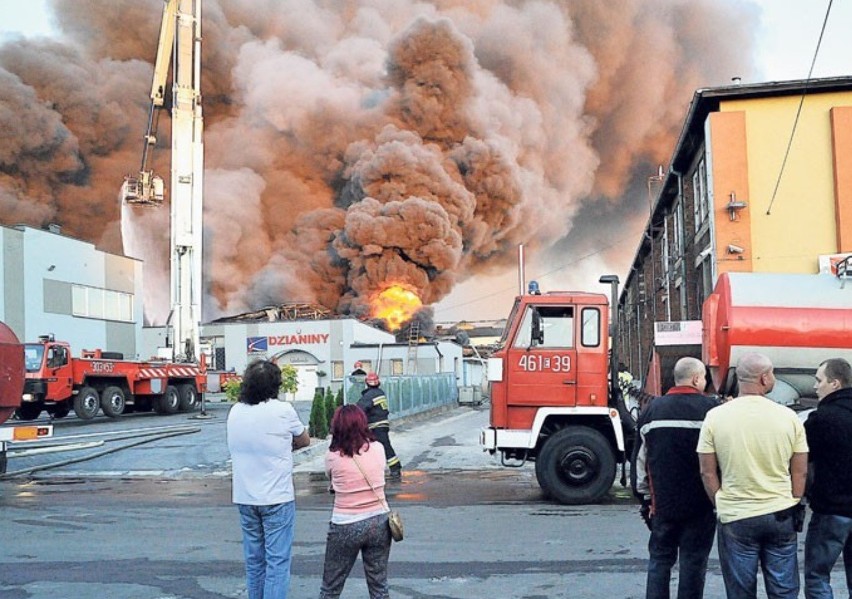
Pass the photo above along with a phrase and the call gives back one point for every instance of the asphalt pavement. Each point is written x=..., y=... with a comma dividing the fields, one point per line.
x=186, y=445
x=155, y=521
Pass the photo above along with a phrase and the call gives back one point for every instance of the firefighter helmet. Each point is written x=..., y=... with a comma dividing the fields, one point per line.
x=372, y=380
x=358, y=365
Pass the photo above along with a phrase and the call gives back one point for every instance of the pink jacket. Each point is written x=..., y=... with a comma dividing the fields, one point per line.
x=352, y=494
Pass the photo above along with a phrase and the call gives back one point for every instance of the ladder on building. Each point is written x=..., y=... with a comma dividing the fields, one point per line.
x=413, y=342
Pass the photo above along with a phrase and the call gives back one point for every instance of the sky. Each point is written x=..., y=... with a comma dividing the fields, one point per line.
x=786, y=41
x=789, y=33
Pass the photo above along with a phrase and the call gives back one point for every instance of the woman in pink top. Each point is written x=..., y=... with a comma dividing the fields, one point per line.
x=355, y=462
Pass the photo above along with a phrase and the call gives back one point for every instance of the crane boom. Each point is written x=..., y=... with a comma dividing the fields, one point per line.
x=179, y=48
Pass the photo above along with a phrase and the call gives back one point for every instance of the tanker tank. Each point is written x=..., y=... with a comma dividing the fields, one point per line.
x=797, y=320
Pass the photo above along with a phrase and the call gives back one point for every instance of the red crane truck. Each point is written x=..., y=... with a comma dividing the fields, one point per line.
x=97, y=380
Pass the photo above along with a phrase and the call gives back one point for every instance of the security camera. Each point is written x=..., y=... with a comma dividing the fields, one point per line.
x=735, y=249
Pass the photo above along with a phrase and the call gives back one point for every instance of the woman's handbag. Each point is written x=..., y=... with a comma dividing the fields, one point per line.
x=397, y=530
x=395, y=523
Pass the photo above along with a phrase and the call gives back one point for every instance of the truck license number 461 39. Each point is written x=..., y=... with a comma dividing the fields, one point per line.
x=538, y=363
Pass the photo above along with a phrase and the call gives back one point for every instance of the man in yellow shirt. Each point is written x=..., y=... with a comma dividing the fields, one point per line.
x=753, y=456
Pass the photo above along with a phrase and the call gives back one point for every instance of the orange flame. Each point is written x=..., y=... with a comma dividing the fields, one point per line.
x=395, y=305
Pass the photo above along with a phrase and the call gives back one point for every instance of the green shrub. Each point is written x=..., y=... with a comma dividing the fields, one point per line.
x=232, y=387
x=338, y=401
x=329, y=407
x=289, y=379
x=318, y=423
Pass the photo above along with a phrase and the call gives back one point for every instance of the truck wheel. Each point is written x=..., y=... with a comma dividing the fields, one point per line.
x=576, y=465
x=168, y=402
x=113, y=401
x=59, y=410
x=86, y=403
x=188, y=397
x=29, y=410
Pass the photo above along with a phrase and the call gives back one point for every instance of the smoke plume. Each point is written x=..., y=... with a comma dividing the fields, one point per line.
x=355, y=144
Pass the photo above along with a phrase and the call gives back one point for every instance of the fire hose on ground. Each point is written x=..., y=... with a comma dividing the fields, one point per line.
x=149, y=436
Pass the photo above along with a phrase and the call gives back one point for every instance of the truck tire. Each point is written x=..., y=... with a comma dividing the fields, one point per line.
x=29, y=410
x=86, y=403
x=576, y=465
x=168, y=402
x=59, y=410
x=188, y=397
x=113, y=401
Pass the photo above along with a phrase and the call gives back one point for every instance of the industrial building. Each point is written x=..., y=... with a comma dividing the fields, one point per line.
x=322, y=348
x=55, y=284
x=743, y=193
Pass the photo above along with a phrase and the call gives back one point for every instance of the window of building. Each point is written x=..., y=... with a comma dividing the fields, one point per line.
x=93, y=302
x=336, y=370
x=699, y=190
x=704, y=280
x=664, y=254
x=397, y=367
x=678, y=230
x=367, y=365
x=556, y=325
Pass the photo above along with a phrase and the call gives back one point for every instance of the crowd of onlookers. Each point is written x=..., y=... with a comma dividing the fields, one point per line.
x=737, y=470
x=740, y=470
x=262, y=435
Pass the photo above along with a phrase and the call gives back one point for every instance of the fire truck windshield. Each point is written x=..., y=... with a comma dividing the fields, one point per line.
x=509, y=322
x=33, y=356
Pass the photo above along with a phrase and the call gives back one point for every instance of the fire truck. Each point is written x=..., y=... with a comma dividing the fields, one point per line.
x=555, y=398
x=551, y=397
x=57, y=382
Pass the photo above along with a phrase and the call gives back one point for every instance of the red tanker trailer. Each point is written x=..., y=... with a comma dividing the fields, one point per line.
x=797, y=320
x=11, y=372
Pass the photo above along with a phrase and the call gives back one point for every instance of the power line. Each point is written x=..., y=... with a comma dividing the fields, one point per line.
x=799, y=110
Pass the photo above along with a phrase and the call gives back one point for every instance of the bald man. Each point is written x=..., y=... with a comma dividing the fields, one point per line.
x=682, y=521
x=754, y=461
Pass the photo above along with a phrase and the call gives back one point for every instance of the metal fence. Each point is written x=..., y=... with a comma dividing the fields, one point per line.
x=410, y=394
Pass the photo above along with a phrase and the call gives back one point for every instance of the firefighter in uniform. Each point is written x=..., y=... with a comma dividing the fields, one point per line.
x=359, y=370
x=375, y=404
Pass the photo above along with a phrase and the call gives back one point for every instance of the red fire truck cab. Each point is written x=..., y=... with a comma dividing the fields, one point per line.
x=551, y=397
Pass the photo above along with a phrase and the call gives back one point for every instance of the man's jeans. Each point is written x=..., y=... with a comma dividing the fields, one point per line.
x=689, y=542
x=267, y=543
x=768, y=540
x=827, y=537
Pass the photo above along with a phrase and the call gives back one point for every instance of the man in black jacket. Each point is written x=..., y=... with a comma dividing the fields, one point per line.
x=829, y=431
x=668, y=480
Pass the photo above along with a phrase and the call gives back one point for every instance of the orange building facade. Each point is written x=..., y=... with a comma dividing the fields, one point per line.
x=751, y=187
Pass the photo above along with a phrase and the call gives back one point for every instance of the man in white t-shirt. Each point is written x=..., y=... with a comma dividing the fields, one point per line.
x=262, y=434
